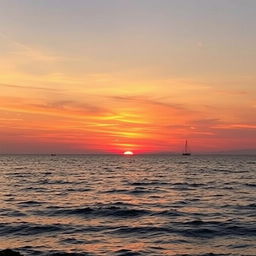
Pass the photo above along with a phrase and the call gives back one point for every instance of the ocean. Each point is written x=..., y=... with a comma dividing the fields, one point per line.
x=128, y=205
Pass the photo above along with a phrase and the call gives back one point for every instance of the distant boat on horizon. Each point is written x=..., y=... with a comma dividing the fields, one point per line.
x=186, y=151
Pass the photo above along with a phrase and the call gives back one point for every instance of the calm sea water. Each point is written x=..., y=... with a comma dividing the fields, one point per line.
x=123, y=206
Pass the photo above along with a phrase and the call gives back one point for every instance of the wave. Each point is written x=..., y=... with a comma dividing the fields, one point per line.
x=26, y=229
x=115, y=210
x=140, y=230
x=149, y=183
x=59, y=253
x=126, y=252
x=197, y=229
x=116, y=191
x=121, y=252
x=250, y=184
x=12, y=213
x=137, y=190
x=169, y=213
x=206, y=254
x=105, y=211
x=188, y=184
x=30, y=203
x=11, y=252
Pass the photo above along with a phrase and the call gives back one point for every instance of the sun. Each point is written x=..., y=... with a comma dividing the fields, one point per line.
x=128, y=153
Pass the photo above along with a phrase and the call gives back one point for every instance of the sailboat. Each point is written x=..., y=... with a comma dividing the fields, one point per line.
x=186, y=151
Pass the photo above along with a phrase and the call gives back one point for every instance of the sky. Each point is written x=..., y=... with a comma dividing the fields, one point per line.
x=107, y=76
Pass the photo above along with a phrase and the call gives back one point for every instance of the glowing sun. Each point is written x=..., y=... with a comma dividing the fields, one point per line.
x=128, y=153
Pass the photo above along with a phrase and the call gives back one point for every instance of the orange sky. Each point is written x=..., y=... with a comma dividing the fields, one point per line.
x=96, y=78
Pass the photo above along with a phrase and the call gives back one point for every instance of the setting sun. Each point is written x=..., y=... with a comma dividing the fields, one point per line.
x=128, y=153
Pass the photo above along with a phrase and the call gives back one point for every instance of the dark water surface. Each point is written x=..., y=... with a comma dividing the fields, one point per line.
x=124, y=206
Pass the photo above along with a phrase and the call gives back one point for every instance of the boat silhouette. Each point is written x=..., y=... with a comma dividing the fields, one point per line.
x=186, y=151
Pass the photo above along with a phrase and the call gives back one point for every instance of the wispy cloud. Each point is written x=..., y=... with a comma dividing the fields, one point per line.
x=64, y=108
x=237, y=126
x=232, y=92
x=28, y=87
x=148, y=100
x=27, y=51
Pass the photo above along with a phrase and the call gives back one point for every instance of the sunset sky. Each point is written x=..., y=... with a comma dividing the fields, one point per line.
x=106, y=76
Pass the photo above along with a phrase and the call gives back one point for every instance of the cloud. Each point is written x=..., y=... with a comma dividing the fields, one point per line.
x=71, y=105
x=24, y=50
x=28, y=87
x=242, y=126
x=232, y=92
x=64, y=108
x=206, y=122
x=149, y=101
